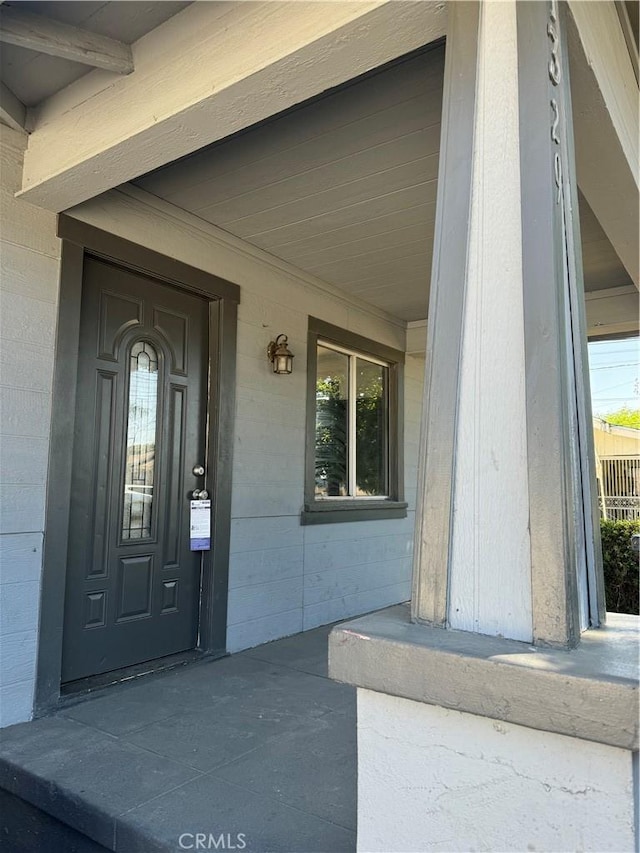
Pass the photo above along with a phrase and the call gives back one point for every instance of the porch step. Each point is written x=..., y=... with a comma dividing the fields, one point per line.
x=256, y=750
x=39, y=815
x=27, y=829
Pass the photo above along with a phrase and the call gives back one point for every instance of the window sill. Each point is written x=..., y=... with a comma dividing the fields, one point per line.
x=335, y=512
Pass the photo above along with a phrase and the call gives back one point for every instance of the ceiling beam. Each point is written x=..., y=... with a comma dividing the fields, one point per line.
x=247, y=62
x=604, y=96
x=12, y=111
x=612, y=312
x=54, y=38
x=627, y=29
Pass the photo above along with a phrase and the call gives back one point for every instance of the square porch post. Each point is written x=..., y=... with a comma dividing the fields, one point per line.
x=484, y=721
x=506, y=537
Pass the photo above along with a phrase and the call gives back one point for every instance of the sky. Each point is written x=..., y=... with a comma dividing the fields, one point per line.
x=614, y=374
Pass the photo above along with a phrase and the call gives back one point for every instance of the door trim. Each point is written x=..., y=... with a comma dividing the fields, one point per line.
x=78, y=241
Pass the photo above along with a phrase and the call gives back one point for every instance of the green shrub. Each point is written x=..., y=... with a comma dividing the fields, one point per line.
x=620, y=565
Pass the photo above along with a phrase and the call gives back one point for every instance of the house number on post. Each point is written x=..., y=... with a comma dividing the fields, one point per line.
x=555, y=73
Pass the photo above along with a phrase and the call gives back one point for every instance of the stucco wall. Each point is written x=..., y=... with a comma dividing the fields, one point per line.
x=29, y=258
x=284, y=577
x=431, y=779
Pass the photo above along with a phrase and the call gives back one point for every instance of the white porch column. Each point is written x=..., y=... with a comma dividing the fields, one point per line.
x=489, y=547
x=505, y=541
x=517, y=730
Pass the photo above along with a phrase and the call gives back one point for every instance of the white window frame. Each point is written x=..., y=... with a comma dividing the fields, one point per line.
x=351, y=392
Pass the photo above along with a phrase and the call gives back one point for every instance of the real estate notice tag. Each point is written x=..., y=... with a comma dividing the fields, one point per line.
x=200, y=526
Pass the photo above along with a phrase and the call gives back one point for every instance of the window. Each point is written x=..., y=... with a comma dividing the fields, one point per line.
x=353, y=424
x=141, y=441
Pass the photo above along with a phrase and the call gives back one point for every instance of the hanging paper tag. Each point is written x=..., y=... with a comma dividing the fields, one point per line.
x=200, y=532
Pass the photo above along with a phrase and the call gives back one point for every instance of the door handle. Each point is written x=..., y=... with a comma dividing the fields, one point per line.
x=199, y=495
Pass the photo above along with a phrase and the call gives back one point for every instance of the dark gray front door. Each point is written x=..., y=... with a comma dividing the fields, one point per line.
x=132, y=588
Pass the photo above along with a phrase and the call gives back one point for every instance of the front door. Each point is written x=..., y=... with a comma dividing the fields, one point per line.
x=133, y=584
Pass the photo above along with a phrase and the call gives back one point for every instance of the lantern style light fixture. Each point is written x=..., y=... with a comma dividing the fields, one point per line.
x=280, y=356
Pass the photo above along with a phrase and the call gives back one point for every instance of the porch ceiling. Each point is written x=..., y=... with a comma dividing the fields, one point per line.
x=344, y=188
x=33, y=76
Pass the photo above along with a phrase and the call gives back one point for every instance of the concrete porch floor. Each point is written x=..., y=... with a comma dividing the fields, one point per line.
x=260, y=743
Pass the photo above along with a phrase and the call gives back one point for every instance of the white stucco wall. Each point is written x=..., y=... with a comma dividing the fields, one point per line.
x=432, y=779
x=29, y=274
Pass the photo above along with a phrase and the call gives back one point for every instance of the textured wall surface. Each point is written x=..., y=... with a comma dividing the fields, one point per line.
x=29, y=258
x=431, y=779
x=283, y=578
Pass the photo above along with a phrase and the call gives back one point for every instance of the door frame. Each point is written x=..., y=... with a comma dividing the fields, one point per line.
x=78, y=241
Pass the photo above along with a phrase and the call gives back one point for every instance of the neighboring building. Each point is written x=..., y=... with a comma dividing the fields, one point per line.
x=226, y=173
x=618, y=470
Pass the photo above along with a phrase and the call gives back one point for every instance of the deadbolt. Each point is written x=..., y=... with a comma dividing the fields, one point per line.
x=198, y=470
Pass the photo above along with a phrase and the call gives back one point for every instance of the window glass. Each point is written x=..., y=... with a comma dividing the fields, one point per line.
x=352, y=453
x=332, y=424
x=371, y=433
x=141, y=441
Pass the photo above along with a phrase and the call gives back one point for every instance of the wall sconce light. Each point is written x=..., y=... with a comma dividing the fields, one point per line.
x=280, y=356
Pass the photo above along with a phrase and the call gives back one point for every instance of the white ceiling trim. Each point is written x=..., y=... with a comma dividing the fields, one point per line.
x=604, y=96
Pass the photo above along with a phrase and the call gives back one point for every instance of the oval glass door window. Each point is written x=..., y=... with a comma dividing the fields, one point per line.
x=141, y=441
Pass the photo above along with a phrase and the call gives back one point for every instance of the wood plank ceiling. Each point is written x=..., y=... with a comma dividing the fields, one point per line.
x=344, y=188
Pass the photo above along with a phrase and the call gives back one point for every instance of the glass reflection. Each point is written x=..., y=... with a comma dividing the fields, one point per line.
x=141, y=441
x=332, y=458
x=371, y=428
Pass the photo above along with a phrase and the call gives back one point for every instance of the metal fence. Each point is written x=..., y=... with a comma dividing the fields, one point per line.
x=620, y=487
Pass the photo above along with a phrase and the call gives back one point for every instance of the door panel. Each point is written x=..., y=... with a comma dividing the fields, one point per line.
x=132, y=590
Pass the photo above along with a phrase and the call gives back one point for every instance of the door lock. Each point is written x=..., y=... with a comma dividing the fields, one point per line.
x=198, y=470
